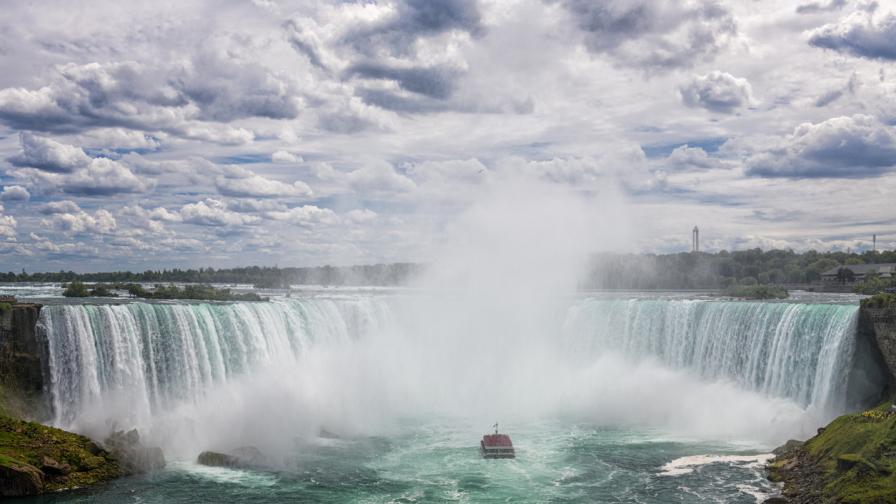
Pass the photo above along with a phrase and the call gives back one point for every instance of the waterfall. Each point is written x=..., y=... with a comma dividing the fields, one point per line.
x=141, y=359
x=156, y=356
x=797, y=351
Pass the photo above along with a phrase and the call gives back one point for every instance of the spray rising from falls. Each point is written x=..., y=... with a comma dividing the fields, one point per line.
x=154, y=365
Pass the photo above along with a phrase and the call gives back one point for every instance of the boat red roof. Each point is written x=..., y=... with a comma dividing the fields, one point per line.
x=496, y=440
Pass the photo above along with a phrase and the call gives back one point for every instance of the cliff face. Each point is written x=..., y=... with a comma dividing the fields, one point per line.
x=880, y=325
x=23, y=357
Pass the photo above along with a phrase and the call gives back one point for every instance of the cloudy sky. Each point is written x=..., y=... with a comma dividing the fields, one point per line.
x=236, y=132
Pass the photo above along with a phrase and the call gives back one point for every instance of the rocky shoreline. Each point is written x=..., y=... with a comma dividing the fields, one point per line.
x=35, y=459
x=851, y=461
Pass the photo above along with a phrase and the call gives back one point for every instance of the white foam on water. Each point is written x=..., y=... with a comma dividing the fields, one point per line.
x=226, y=475
x=686, y=465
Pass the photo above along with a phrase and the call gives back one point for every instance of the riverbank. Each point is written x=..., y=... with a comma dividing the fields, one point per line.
x=35, y=459
x=852, y=460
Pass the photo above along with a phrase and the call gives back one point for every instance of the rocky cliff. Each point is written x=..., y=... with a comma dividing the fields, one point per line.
x=23, y=358
x=880, y=324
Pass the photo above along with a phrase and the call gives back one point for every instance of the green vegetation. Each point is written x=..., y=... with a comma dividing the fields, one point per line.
x=719, y=270
x=883, y=300
x=856, y=457
x=78, y=289
x=5, y=307
x=873, y=284
x=196, y=292
x=75, y=289
x=756, y=292
x=35, y=458
x=373, y=274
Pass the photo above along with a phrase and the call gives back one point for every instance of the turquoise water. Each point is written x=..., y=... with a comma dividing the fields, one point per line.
x=557, y=462
x=608, y=399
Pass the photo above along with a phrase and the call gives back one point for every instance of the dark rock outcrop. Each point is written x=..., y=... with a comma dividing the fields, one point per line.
x=880, y=325
x=23, y=361
x=245, y=457
x=19, y=479
x=217, y=459
x=133, y=455
x=51, y=466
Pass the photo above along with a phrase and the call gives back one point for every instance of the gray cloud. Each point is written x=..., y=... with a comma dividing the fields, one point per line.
x=717, y=91
x=859, y=35
x=418, y=18
x=49, y=155
x=433, y=82
x=842, y=147
x=814, y=7
x=171, y=98
x=653, y=33
x=305, y=43
x=401, y=103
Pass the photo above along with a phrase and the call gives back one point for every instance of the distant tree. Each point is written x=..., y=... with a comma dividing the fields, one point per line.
x=845, y=275
x=748, y=280
x=75, y=289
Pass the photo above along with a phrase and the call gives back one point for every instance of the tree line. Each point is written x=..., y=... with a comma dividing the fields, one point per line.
x=259, y=276
x=684, y=270
x=722, y=269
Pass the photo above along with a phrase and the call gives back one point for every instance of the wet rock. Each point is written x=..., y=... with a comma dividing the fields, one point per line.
x=246, y=456
x=777, y=499
x=217, y=459
x=18, y=479
x=787, y=447
x=133, y=455
x=51, y=467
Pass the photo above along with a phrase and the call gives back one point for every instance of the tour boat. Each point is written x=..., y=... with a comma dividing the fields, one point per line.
x=494, y=446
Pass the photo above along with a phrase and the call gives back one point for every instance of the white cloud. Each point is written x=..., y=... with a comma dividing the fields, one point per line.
x=378, y=176
x=691, y=158
x=213, y=212
x=101, y=222
x=305, y=215
x=282, y=156
x=8, y=226
x=59, y=207
x=256, y=186
x=104, y=177
x=14, y=193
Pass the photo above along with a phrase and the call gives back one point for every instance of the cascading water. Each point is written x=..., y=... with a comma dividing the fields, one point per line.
x=802, y=352
x=327, y=358
x=155, y=356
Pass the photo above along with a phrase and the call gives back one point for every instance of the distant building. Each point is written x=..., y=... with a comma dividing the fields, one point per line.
x=854, y=273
